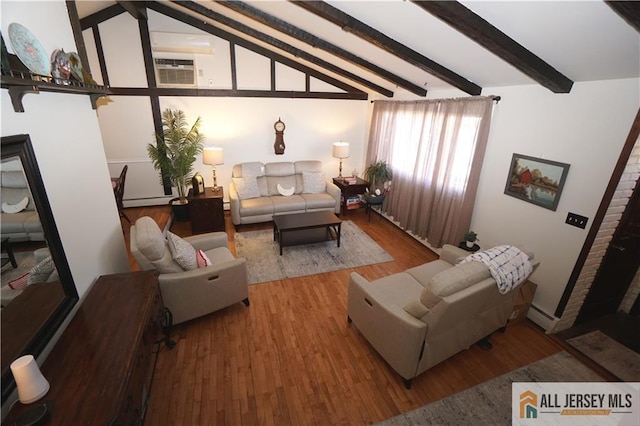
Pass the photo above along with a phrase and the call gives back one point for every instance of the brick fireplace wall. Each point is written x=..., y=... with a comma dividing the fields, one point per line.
x=628, y=181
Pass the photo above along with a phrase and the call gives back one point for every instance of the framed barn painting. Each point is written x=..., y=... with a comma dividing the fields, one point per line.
x=536, y=181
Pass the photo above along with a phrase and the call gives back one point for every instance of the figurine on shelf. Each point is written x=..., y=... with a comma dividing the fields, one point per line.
x=60, y=67
x=78, y=71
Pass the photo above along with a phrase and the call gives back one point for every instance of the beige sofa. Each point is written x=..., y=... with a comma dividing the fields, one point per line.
x=259, y=191
x=420, y=317
x=23, y=225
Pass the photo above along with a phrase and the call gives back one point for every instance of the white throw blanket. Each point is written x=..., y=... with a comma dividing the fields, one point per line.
x=509, y=265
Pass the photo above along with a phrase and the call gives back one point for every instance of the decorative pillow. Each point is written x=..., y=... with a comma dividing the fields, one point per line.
x=41, y=272
x=183, y=252
x=202, y=259
x=247, y=187
x=19, y=283
x=313, y=182
x=286, y=191
x=15, y=208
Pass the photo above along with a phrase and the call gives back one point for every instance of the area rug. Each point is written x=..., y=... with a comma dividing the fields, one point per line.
x=610, y=354
x=25, y=261
x=264, y=262
x=489, y=403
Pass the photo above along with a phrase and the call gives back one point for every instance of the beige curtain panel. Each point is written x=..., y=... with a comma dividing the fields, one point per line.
x=435, y=149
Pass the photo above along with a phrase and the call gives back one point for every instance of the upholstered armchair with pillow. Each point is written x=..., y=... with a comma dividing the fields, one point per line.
x=198, y=274
x=420, y=317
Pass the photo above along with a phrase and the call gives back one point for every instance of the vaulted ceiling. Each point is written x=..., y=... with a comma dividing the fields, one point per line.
x=398, y=46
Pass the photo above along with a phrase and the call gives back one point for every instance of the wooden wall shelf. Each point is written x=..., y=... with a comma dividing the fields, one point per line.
x=20, y=83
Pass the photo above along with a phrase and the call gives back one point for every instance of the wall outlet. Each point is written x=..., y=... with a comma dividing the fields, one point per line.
x=576, y=220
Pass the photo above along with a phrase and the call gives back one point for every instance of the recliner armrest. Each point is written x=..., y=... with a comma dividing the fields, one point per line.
x=451, y=254
x=208, y=241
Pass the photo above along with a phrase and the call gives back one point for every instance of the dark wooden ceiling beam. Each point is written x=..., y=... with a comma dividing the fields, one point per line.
x=375, y=37
x=306, y=37
x=482, y=32
x=136, y=9
x=101, y=16
x=211, y=29
x=218, y=17
x=628, y=10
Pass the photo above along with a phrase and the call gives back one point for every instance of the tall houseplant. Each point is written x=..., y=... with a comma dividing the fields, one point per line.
x=175, y=151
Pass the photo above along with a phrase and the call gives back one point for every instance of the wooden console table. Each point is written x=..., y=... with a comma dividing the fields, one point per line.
x=101, y=368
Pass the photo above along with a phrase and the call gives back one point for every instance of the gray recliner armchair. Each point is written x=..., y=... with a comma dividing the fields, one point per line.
x=190, y=294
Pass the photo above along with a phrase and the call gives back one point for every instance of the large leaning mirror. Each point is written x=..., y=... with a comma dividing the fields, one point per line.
x=38, y=291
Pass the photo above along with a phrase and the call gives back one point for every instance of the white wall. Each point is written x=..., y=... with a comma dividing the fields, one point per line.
x=68, y=147
x=585, y=128
x=242, y=126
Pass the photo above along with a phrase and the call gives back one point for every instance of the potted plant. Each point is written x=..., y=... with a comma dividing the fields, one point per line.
x=379, y=175
x=470, y=238
x=174, y=154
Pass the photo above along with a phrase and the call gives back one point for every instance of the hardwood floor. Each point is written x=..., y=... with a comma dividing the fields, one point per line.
x=292, y=359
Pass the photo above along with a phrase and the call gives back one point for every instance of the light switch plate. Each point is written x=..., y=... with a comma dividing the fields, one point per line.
x=576, y=220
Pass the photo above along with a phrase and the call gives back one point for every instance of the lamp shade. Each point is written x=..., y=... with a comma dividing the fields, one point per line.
x=30, y=382
x=212, y=155
x=341, y=149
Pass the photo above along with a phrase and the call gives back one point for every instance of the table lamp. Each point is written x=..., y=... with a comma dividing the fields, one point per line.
x=213, y=156
x=341, y=151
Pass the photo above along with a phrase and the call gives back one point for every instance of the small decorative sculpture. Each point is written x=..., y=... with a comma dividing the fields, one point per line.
x=60, y=67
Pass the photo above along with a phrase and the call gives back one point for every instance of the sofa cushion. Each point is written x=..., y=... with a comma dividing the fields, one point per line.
x=453, y=280
x=424, y=273
x=283, y=168
x=318, y=201
x=284, y=181
x=307, y=166
x=313, y=182
x=254, y=168
x=182, y=252
x=256, y=206
x=247, y=187
x=288, y=204
x=399, y=289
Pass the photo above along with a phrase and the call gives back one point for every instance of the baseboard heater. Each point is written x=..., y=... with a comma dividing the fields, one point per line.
x=542, y=318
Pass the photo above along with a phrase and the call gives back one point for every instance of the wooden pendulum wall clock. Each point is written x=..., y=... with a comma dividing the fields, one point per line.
x=278, y=145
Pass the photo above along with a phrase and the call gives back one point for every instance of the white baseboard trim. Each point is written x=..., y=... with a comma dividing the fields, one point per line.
x=144, y=202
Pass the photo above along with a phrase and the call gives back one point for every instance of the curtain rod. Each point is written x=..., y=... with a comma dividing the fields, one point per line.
x=495, y=98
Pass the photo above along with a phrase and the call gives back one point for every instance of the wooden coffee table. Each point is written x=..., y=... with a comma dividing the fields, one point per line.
x=305, y=228
x=6, y=248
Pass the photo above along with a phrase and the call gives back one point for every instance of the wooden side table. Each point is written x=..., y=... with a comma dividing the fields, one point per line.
x=360, y=187
x=206, y=211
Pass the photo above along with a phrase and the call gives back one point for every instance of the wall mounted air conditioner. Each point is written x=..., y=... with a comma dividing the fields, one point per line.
x=182, y=43
x=175, y=72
